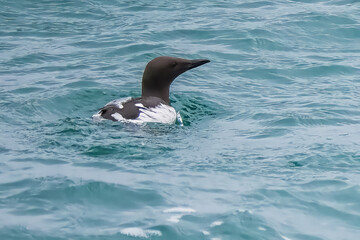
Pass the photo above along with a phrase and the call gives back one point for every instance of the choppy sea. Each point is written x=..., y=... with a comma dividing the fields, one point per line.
x=269, y=148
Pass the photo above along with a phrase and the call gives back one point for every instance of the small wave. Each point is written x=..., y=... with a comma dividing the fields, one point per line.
x=193, y=108
x=216, y=223
x=179, y=210
x=182, y=210
x=139, y=232
x=175, y=218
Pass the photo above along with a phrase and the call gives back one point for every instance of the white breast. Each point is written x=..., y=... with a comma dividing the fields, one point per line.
x=160, y=114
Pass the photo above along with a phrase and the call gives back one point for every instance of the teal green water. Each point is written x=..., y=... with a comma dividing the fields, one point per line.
x=271, y=137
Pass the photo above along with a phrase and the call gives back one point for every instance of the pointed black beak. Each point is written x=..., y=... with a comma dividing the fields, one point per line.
x=197, y=62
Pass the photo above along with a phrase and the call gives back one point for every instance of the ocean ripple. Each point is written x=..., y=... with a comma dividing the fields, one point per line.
x=269, y=148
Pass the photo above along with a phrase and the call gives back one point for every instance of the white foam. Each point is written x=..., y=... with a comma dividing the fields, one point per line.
x=216, y=223
x=179, y=210
x=261, y=229
x=206, y=233
x=245, y=211
x=179, y=119
x=285, y=238
x=97, y=117
x=175, y=218
x=138, y=232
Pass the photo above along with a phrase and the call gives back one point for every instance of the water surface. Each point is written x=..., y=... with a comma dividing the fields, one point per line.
x=270, y=143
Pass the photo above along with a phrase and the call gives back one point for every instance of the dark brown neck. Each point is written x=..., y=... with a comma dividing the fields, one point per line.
x=163, y=94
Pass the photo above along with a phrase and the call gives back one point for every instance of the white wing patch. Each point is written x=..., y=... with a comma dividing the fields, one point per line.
x=119, y=102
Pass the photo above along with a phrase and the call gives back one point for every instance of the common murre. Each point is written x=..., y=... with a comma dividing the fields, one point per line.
x=154, y=103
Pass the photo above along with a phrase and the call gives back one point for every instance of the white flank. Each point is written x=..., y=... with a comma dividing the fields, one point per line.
x=160, y=114
x=118, y=117
x=138, y=232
